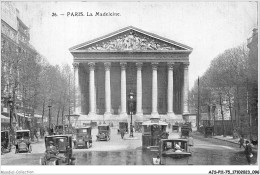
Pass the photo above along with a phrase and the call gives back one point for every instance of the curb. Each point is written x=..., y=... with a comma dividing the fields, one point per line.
x=254, y=148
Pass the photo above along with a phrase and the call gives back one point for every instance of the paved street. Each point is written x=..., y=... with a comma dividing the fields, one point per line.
x=206, y=151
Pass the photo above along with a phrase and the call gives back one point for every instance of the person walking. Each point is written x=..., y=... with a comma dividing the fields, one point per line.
x=248, y=152
x=190, y=143
x=122, y=132
x=241, y=141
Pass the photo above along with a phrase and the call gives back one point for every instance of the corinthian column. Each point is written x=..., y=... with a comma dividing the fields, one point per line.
x=139, y=111
x=92, y=105
x=185, y=91
x=170, y=90
x=154, y=90
x=107, y=88
x=77, y=95
x=123, y=90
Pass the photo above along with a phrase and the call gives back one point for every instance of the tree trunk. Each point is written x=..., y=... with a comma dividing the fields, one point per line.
x=62, y=114
x=58, y=114
x=230, y=111
x=223, y=125
x=43, y=110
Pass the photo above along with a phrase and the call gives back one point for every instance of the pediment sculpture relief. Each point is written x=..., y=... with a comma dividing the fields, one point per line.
x=131, y=41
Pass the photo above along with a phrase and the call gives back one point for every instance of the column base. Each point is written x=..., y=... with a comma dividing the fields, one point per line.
x=91, y=114
x=139, y=114
x=107, y=113
x=123, y=115
x=155, y=114
x=186, y=113
x=171, y=114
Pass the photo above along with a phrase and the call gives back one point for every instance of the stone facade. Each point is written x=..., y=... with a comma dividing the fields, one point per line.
x=106, y=69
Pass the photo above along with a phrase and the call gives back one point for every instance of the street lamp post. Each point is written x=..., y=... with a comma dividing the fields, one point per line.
x=213, y=109
x=131, y=100
x=49, y=119
x=10, y=105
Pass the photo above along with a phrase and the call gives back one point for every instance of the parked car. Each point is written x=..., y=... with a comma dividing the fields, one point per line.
x=23, y=141
x=123, y=126
x=62, y=154
x=83, y=137
x=103, y=132
x=5, y=141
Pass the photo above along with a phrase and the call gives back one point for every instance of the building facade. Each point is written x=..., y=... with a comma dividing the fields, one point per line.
x=108, y=68
x=15, y=50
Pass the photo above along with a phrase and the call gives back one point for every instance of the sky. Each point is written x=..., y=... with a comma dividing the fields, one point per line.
x=208, y=27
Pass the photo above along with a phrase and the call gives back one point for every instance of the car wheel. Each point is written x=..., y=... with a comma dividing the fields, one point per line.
x=87, y=145
x=2, y=150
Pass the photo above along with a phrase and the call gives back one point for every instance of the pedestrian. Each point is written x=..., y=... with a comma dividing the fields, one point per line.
x=241, y=141
x=190, y=143
x=122, y=132
x=248, y=152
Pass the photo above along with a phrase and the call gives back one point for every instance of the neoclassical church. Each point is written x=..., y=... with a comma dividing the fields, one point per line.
x=108, y=68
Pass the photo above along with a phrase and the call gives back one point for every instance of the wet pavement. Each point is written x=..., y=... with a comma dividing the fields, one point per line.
x=206, y=151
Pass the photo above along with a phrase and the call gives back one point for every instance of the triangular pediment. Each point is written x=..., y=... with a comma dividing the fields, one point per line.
x=130, y=39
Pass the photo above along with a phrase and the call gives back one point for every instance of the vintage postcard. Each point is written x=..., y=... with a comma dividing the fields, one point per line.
x=132, y=87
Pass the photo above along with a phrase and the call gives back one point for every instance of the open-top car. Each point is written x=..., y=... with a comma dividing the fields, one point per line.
x=58, y=151
x=123, y=126
x=5, y=141
x=83, y=137
x=173, y=152
x=103, y=132
x=23, y=141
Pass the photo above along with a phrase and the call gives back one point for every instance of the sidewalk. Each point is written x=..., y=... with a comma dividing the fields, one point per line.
x=227, y=139
x=232, y=140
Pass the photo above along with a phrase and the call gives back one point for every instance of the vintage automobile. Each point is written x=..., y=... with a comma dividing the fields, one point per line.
x=173, y=152
x=63, y=129
x=185, y=132
x=59, y=129
x=175, y=127
x=138, y=126
x=5, y=141
x=83, y=137
x=103, y=132
x=187, y=125
x=63, y=151
x=208, y=131
x=23, y=141
x=153, y=130
x=123, y=126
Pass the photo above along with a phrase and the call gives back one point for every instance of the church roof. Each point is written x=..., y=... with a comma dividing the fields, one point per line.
x=130, y=39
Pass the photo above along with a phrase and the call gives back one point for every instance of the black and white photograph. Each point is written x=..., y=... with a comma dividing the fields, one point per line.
x=129, y=87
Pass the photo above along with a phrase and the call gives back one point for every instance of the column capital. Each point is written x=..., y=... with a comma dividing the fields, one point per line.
x=75, y=65
x=154, y=65
x=139, y=65
x=123, y=65
x=186, y=65
x=91, y=65
x=107, y=65
x=170, y=65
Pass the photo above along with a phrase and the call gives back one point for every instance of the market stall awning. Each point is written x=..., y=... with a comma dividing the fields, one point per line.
x=5, y=119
